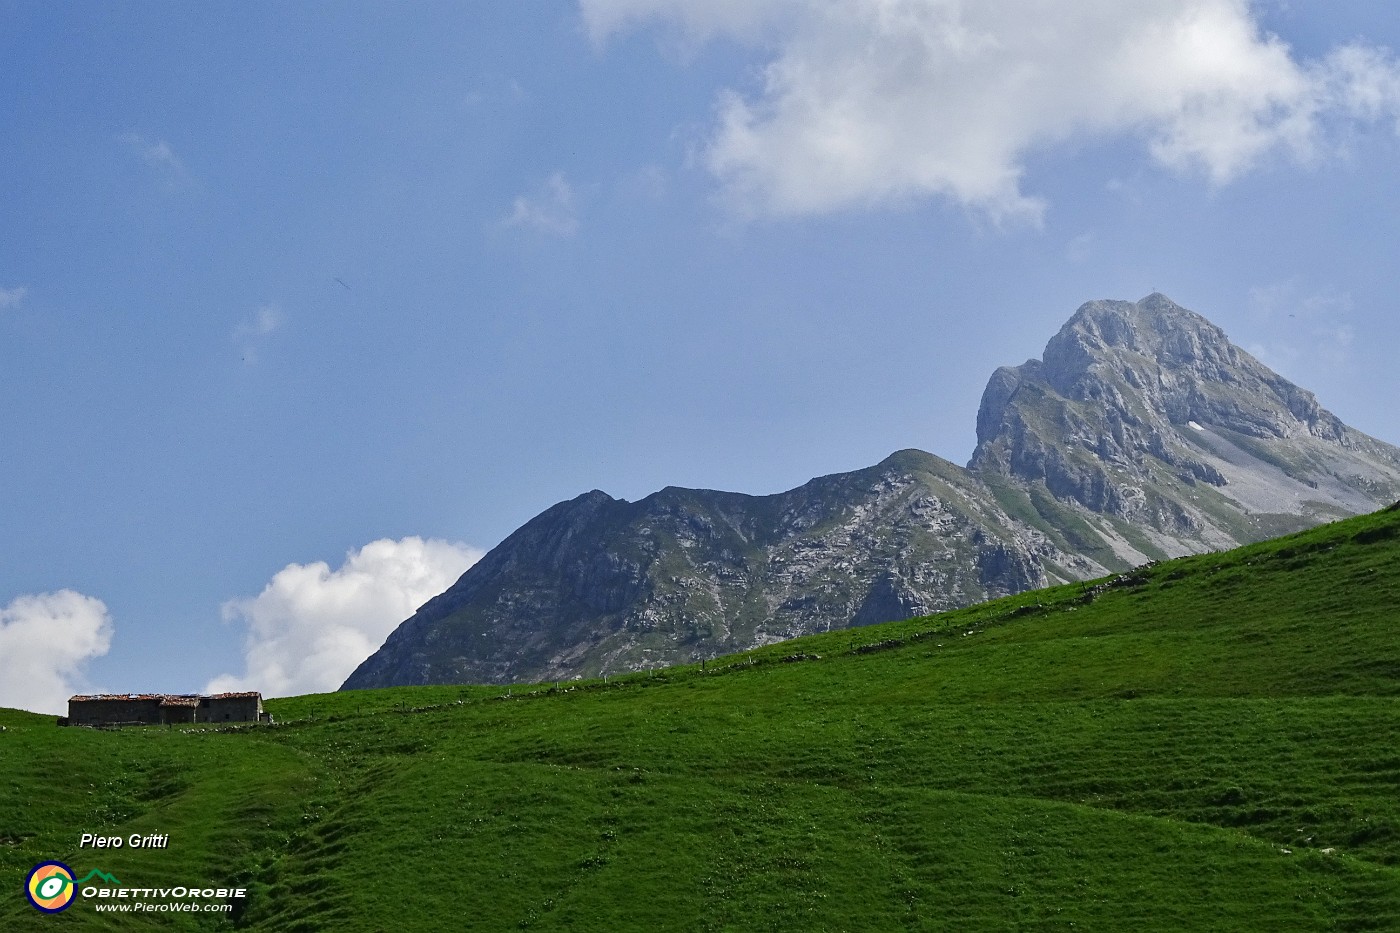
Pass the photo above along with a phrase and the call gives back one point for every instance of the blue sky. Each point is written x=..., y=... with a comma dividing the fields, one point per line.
x=304, y=306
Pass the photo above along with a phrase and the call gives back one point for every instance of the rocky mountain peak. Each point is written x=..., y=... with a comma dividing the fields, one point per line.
x=1144, y=433
x=1155, y=331
x=1181, y=367
x=1136, y=403
x=1155, y=362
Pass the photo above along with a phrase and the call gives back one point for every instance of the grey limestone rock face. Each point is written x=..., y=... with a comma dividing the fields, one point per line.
x=1142, y=433
x=598, y=585
x=1146, y=414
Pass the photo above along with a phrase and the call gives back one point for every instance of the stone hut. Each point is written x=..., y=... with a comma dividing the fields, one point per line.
x=151, y=709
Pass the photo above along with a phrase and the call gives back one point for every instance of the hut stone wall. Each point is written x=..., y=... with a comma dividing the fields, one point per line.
x=233, y=707
x=150, y=709
x=112, y=710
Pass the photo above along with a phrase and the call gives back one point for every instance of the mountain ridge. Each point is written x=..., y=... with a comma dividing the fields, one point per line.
x=1142, y=433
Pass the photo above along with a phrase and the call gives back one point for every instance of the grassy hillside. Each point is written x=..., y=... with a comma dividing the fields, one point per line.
x=1212, y=743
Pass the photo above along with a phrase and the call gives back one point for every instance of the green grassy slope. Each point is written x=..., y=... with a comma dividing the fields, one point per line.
x=1175, y=751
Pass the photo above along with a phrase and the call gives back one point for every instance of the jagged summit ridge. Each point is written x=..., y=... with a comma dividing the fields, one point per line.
x=597, y=585
x=1147, y=412
x=1179, y=365
x=1183, y=366
x=1142, y=433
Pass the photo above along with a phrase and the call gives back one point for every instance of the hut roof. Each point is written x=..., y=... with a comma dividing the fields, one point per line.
x=167, y=699
x=98, y=697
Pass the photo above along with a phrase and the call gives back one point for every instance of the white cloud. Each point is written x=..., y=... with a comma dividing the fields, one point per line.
x=311, y=625
x=159, y=157
x=874, y=102
x=553, y=209
x=12, y=297
x=45, y=642
x=1363, y=81
x=254, y=329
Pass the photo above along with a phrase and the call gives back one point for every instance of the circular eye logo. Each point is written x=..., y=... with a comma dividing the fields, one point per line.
x=50, y=887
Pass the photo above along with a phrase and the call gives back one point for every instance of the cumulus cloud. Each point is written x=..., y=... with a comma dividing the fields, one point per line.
x=553, y=209
x=872, y=102
x=254, y=329
x=46, y=641
x=311, y=625
x=12, y=297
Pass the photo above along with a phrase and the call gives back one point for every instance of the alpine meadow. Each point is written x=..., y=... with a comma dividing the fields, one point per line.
x=1206, y=743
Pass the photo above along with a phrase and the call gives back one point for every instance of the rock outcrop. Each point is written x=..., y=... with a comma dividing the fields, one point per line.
x=1142, y=433
x=1170, y=439
x=598, y=585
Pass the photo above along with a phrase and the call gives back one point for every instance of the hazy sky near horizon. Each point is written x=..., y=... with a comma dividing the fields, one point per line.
x=305, y=306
